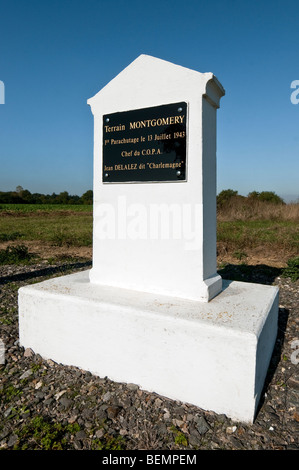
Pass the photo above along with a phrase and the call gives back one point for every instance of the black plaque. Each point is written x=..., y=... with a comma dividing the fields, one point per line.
x=145, y=145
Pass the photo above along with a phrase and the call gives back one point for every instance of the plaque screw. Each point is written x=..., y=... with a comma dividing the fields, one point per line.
x=178, y=173
x=180, y=110
x=107, y=119
x=106, y=175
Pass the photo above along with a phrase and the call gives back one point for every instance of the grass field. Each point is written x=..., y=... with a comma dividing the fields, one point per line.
x=250, y=234
x=261, y=234
x=59, y=225
x=23, y=208
x=258, y=231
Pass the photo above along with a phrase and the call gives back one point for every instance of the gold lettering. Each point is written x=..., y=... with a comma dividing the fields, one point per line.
x=120, y=127
x=131, y=166
x=162, y=136
x=153, y=166
x=126, y=154
x=162, y=121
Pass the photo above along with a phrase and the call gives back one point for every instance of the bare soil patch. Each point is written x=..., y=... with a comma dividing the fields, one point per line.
x=46, y=251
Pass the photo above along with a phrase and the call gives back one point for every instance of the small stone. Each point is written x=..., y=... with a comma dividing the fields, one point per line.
x=236, y=443
x=48, y=401
x=50, y=363
x=81, y=435
x=39, y=395
x=73, y=419
x=101, y=415
x=201, y=425
x=28, y=352
x=5, y=432
x=113, y=411
x=12, y=440
x=59, y=394
x=65, y=402
x=26, y=374
x=107, y=396
x=293, y=382
x=7, y=412
x=158, y=403
x=87, y=413
x=132, y=387
x=77, y=445
x=178, y=422
x=99, y=433
x=231, y=429
x=194, y=436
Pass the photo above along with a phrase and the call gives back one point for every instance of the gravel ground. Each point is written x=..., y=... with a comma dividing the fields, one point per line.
x=45, y=405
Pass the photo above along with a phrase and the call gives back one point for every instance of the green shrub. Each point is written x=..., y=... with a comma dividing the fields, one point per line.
x=266, y=196
x=43, y=434
x=225, y=196
x=292, y=269
x=5, y=237
x=15, y=255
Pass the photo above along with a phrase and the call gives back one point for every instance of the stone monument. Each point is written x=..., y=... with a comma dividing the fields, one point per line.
x=153, y=310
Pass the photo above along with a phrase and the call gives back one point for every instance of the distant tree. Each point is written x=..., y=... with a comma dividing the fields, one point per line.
x=63, y=198
x=26, y=196
x=87, y=197
x=253, y=195
x=23, y=196
x=270, y=196
x=266, y=196
x=225, y=196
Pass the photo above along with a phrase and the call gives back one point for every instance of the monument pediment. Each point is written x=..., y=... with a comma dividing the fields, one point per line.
x=147, y=76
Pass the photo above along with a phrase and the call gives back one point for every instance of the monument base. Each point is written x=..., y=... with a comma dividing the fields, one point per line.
x=213, y=355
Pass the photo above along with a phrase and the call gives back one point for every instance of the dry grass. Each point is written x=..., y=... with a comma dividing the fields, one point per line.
x=257, y=232
x=245, y=209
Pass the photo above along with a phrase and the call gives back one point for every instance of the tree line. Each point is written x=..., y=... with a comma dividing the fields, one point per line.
x=23, y=196
x=229, y=196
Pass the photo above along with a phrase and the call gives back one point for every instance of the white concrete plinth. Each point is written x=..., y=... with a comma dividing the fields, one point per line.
x=213, y=355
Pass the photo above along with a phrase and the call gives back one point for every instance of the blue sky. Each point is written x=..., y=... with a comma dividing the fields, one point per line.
x=54, y=55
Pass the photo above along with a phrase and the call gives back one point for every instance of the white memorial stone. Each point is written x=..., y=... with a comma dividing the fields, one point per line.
x=152, y=310
x=183, y=264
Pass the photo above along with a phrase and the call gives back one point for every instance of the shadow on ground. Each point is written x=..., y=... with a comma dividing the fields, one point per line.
x=43, y=272
x=260, y=273
x=283, y=315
